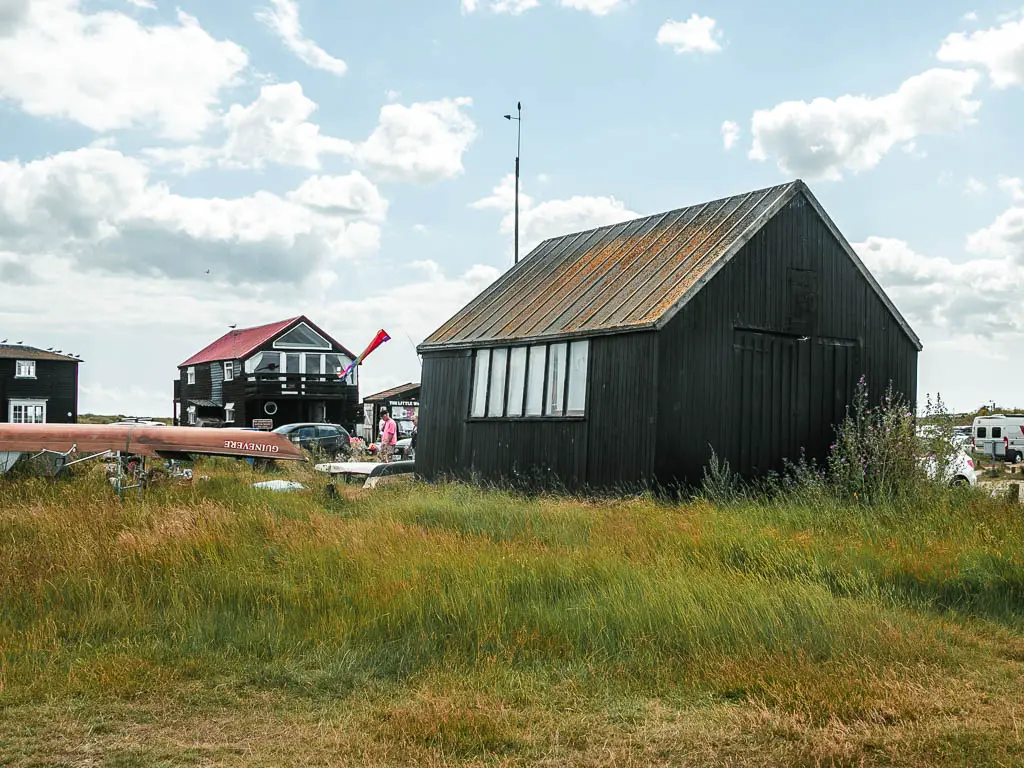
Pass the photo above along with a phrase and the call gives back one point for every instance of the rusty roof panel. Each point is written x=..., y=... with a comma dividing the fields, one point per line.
x=566, y=290
x=619, y=277
x=666, y=286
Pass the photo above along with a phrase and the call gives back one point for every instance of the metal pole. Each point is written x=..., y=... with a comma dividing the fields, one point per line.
x=517, y=210
x=519, y=140
x=519, y=133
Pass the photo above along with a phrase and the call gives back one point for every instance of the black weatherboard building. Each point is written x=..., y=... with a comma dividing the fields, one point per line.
x=37, y=386
x=622, y=355
x=267, y=376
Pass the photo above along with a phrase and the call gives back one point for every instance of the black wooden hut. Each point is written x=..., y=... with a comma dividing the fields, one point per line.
x=622, y=355
x=37, y=386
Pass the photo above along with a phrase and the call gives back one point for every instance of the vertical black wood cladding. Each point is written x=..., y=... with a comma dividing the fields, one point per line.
x=622, y=410
x=444, y=404
x=612, y=447
x=757, y=402
x=56, y=381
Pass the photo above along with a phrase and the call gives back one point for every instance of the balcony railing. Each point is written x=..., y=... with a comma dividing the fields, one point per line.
x=294, y=384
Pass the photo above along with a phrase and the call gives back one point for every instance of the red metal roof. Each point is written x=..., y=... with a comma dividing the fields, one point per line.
x=239, y=342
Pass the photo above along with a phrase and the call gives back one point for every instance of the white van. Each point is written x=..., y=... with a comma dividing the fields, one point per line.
x=1000, y=435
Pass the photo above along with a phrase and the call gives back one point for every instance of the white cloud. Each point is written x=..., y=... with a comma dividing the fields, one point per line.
x=183, y=160
x=1000, y=50
x=95, y=397
x=107, y=71
x=513, y=7
x=970, y=16
x=1003, y=237
x=502, y=197
x=976, y=298
x=516, y=7
x=730, y=134
x=695, y=35
x=825, y=137
x=1014, y=187
x=274, y=129
x=100, y=210
x=422, y=143
x=149, y=5
x=975, y=186
x=351, y=195
x=551, y=218
x=596, y=7
x=283, y=18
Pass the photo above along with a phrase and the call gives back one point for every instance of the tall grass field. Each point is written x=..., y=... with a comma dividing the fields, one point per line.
x=213, y=624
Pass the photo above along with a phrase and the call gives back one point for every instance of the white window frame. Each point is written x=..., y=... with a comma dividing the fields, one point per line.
x=190, y=375
x=278, y=344
x=27, y=402
x=554, y=395
x=229, y=412
x=229, y=370
x=191, y=414
x=21, y=365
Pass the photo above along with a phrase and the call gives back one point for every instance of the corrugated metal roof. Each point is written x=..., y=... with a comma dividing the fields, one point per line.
x=629, y=276
x=412, y=389
x=21, y=352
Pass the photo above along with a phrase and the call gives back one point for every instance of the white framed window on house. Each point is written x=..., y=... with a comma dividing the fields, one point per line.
x=302, y=337
x=27, y=412
x=191, y=414
x=190, y=375
x=229, y=370
x=229, y=412
x=312, y=365
x=25, y=369
x=541, y=380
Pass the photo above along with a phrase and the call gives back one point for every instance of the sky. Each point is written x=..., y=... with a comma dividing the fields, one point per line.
x=170, y=169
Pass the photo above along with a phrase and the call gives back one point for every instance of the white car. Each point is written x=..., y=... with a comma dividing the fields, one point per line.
x=960, y=471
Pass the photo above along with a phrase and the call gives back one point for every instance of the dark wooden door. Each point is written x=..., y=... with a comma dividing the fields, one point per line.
x=789, y=392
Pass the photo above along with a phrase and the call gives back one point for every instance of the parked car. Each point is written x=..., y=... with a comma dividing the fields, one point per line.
x=403, y=449
x=332, y=439
x=133, y=422
x=959, y=472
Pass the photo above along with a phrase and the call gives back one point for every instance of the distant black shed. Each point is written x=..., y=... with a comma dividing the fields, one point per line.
x=37, y=386
x=621, y=355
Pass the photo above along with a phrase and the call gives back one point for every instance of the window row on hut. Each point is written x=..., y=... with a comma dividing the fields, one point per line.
x=535, y=381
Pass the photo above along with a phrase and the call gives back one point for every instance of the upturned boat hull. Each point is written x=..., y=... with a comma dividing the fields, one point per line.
x=153, y=442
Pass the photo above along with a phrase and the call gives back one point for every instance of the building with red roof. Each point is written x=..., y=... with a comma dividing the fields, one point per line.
x=279, y=373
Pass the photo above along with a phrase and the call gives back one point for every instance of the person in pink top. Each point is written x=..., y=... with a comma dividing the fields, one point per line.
x=388, y=437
